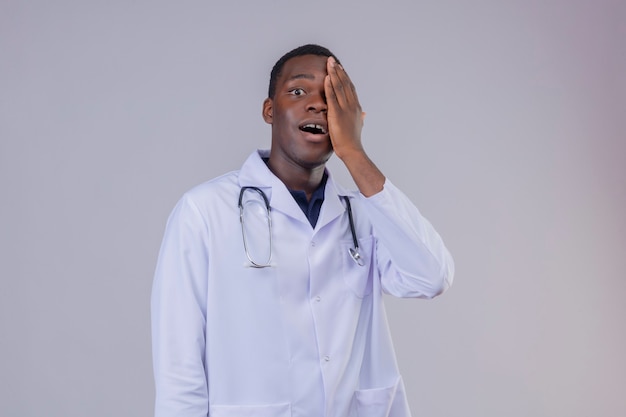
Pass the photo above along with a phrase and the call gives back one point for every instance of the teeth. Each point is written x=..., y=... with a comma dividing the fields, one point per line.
x=314, y=126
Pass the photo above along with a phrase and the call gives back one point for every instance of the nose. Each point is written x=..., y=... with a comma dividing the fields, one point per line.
x=317, y=103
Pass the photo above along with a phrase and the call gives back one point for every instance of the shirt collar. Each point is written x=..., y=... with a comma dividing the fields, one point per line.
x=311, y=208
x=255, y=173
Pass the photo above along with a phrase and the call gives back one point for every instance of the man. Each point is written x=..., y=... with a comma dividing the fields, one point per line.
x=280, y=312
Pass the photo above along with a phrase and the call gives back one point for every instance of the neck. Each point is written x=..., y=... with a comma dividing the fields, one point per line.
x=296, y=177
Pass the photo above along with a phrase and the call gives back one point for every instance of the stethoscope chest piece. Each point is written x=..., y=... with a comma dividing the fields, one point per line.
x=356, y=256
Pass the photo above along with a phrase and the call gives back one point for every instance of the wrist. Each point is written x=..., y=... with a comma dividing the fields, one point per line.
x=349, y=153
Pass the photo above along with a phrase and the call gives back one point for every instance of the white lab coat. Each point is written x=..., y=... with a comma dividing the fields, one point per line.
x=305, y=337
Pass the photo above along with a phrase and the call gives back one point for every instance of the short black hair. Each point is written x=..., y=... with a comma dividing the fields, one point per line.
x=309, y=49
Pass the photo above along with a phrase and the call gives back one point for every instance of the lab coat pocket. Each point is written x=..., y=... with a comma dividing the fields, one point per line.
x=374, y=402
x=357, y=277
x=268, y=410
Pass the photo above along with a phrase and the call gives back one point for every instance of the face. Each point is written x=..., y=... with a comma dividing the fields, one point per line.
x=297, y=114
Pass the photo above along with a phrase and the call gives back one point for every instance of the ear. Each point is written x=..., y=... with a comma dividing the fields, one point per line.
x=268, y=110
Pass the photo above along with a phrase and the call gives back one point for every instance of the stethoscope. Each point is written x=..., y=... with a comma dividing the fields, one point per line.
x=354, y=252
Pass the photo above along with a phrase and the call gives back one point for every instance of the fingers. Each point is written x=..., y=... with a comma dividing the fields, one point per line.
x=345, y=116
x=339, y=86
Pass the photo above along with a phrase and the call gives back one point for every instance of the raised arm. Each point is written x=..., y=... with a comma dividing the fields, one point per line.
x=345, y=121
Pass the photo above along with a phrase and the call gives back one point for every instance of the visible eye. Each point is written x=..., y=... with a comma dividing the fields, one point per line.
x=297, y=92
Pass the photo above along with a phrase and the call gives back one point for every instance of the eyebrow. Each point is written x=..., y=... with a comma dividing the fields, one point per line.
x=300, y=76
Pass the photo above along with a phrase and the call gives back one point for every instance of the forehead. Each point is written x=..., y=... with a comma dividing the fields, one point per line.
x=305, y=66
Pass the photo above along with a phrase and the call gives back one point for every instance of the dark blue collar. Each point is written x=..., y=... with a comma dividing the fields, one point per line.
x=311, y=208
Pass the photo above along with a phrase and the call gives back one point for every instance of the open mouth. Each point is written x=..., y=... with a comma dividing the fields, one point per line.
x=313, y=128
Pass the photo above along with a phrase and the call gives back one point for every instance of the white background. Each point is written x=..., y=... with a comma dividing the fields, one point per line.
x=504, y=121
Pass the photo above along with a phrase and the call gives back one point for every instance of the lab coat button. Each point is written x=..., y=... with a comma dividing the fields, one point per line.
x=318, y=298
x=313, y=243
x=326, y=358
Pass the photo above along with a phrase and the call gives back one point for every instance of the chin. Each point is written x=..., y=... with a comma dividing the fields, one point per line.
x=314, y=162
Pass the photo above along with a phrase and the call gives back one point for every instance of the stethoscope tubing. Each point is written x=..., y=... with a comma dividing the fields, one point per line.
x=269, y=225
x=354, y=252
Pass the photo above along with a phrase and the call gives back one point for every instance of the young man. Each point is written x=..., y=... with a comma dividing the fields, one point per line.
x=273, y=306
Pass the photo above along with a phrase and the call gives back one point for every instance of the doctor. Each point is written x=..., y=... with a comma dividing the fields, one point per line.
x=282, y=314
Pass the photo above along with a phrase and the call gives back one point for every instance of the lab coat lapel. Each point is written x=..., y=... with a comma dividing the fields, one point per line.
x=255, y=173
x=283, y=201
x=333, y=207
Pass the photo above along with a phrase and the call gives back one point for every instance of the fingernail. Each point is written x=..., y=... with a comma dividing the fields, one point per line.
x=332, y=61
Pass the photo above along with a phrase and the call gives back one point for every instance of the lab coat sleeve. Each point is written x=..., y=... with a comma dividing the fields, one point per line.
x=179, y=316
x=412, y=258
